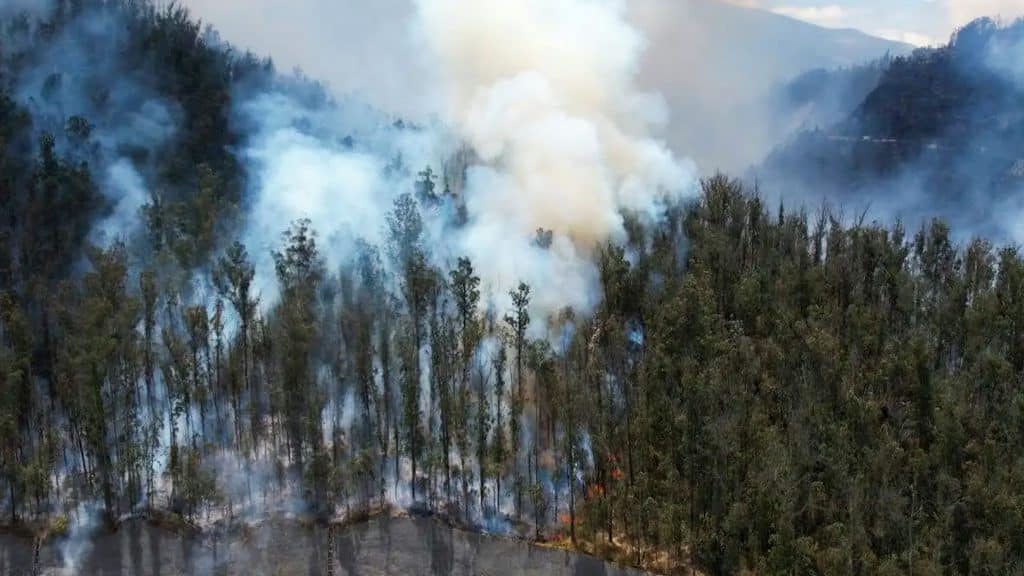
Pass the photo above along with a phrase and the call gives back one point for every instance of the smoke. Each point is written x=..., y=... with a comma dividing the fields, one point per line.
x=31, y=7
x=538, y=126
x=542, y=93
x=959, y=160
x=339, y=165
x=101, y=110
x=75, y=547
x=127, y=192
x=1005, y=57
x=721, y=66
x=717, y=64
x=564, y=139
x=372, y=51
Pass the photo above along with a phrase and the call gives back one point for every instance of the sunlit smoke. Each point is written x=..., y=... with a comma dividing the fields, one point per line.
x=544, y=92
x=544, y=96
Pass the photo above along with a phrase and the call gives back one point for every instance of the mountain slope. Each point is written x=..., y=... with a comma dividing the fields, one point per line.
x=941, y=135
x=717, y=65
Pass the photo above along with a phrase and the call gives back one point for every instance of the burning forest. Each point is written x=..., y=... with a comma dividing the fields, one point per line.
x=230, y=296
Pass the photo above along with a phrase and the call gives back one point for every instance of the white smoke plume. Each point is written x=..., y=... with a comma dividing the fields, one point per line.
x=343, y=175
x=127, y=192
x=544, y=94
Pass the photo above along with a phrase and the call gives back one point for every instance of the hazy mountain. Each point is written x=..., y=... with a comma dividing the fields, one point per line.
x=718, y=65
x=940, y=135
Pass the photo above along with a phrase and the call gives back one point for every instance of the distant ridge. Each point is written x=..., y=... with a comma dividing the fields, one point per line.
x=717, y=63
x=941, y=135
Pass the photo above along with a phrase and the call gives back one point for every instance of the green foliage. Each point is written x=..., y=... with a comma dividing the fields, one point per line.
x=196, y=485
x=757, y=392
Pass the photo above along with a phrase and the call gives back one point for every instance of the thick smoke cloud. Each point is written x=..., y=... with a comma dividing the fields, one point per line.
x=717, y=64
x=542, y=93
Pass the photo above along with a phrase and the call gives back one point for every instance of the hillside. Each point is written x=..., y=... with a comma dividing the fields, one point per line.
x=228, y=300
x=720, y=65
x=940, y=135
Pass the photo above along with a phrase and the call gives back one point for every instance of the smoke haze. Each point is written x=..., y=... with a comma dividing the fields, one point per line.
x=561, y=144
x=367, y=49
x=715, y=63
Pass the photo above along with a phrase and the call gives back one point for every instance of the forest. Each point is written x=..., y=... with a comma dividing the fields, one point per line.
x=760, y=389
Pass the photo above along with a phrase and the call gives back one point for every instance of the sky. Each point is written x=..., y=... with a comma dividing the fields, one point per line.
x=918, y=22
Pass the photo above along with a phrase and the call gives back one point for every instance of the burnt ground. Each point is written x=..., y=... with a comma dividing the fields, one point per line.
x=383, y=545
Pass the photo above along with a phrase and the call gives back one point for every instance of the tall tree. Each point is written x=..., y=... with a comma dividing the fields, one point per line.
x=518, y=321
x=417, y=286
x=300, y=270
x=234, y=276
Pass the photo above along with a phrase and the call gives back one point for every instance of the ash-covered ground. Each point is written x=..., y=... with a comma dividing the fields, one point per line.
x=406, y=546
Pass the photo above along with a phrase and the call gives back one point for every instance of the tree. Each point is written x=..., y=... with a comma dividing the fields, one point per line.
x=518, y=321
x=15, y=399
x=233, y=276
x=499, y=455
x=300, y=271
x=417, y=286
x=465, y=286
x=98, y=358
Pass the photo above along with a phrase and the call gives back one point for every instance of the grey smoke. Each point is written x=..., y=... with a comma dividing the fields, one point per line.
x=81, y=74
x=720, y=64
x=75, y=547
x=369, y=50
x=716, y=63
x=30, y=7
x=969, y=172
x=562, y=144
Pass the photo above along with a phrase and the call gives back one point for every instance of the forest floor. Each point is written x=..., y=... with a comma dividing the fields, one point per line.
x=382, y=544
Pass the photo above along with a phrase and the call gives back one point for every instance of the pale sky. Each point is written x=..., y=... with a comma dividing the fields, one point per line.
x=919, y=22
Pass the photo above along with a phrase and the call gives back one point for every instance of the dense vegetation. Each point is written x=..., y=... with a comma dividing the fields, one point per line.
x=759, y=390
